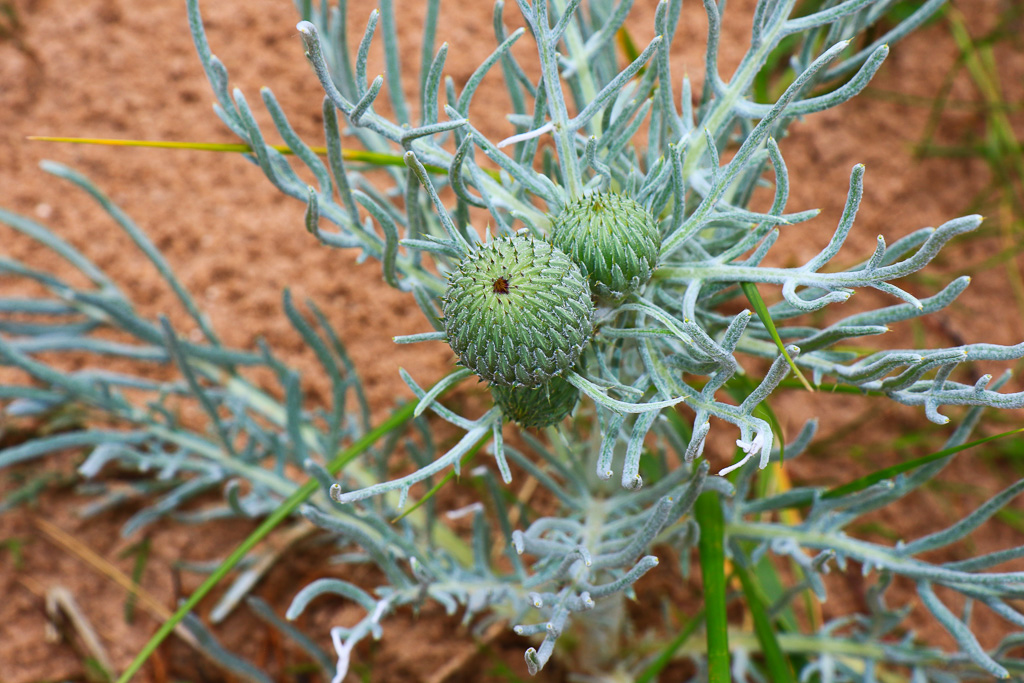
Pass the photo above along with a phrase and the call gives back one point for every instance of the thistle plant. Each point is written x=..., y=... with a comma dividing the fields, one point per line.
x=582, y=268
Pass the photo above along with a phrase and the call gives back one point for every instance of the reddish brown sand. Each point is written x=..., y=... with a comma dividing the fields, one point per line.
x=118, y=69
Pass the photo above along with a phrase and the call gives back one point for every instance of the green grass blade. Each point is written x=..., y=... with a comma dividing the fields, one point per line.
x=772, y=588
x=708, y=512
x=665, y=656
x=981, y=69
x=140, y=552
x=754, y=297
x=779, y=668
x=1001, y=148
x=831, y=388
x=890, y=472
x=397, y=419
x=447, y=478
x=679, y=424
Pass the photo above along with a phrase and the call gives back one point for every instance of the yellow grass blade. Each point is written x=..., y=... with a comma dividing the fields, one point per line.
x=358, y=155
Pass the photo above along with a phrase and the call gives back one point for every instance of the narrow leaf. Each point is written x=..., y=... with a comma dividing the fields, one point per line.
x=372, y=158
x=754, y=297
x=890, y=472
x=650, y=674
x=779, y=668
x=628, y=46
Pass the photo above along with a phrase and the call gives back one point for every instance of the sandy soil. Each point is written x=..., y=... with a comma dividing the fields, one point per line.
x=117, y=69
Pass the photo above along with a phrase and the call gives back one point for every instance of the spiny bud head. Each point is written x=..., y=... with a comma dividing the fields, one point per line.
x=613, y=238
x=518, y=312
x=537, y=406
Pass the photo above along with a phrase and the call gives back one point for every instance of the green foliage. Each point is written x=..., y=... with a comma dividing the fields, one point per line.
x=631, y=128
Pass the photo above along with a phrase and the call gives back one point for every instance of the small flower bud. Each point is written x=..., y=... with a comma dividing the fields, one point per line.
x=613, y=238
x=537, y=406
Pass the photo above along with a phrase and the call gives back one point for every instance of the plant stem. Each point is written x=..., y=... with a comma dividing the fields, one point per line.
x=708, y=511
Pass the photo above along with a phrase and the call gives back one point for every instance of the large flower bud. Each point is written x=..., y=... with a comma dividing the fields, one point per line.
x=613, y=238
x=518, y=312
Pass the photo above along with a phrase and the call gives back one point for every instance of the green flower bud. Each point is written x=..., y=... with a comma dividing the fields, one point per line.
x=537, y=406
x=613, y=238
x=518, y=312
